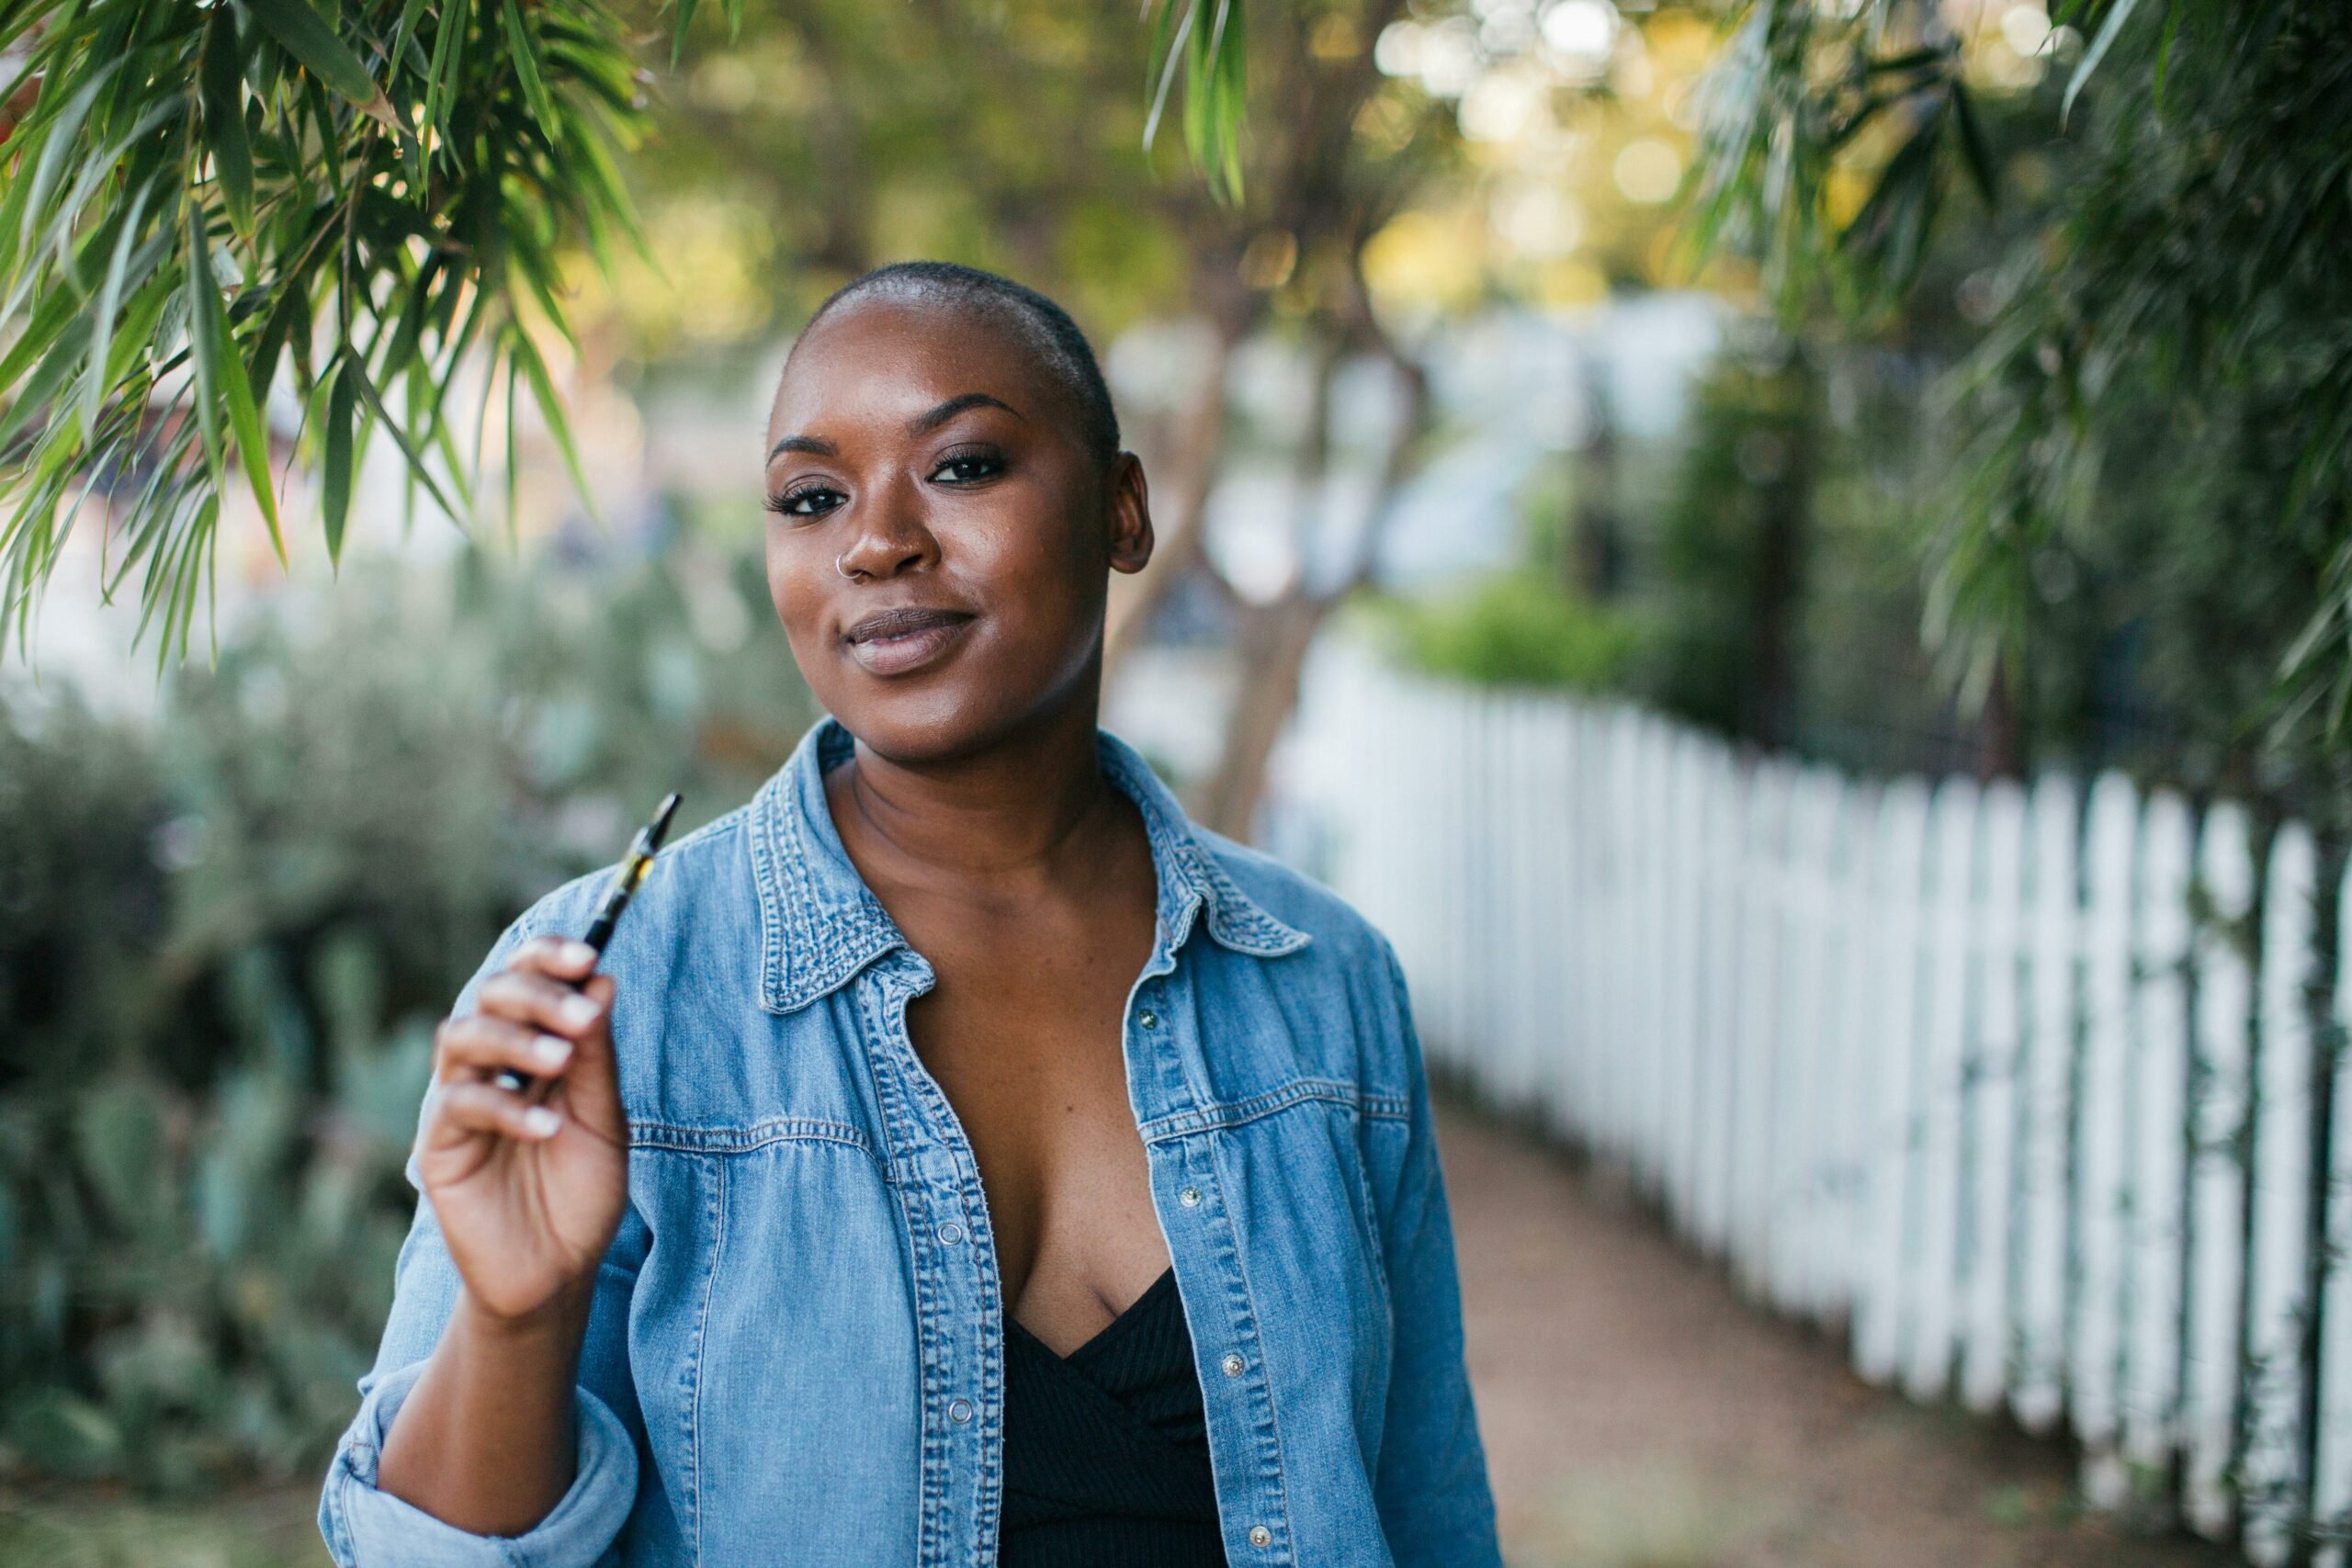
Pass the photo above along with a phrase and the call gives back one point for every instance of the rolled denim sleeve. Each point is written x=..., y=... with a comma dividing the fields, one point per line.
x=1436, y=1506
x=366, y=1528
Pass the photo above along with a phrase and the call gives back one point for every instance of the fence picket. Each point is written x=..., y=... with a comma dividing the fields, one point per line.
x=2053, y=1044
x=1756, y=1035
x=1798, y=1144
x=2014, y=1087
x=2151, y=1391
x=2103, y=1191
x=1994, y=1224
x=1949, y=936
x=2332, y=1472
x=2273, y=1481
x=2220, y=1097
x=1881, y=1310
x=1856, y=1026
x=1723, y=822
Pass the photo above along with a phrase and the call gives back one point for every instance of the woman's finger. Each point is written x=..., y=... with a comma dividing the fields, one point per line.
x=476, y=1107
x=524, y=996
x=565, y=958
x=482, y=1044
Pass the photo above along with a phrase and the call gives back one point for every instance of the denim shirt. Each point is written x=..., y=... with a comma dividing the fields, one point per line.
x=795, y=1354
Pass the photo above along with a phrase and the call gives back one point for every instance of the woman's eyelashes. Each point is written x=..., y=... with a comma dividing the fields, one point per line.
x=969, y=466
x=813, y=498
x=806, y=500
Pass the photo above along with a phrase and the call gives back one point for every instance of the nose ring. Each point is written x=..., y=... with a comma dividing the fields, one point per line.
x=837, y=563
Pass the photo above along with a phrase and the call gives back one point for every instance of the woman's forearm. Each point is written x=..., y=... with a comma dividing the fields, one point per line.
x=484, y=1442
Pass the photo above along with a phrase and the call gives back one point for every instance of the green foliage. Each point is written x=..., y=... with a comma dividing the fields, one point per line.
x=1731, y=541
x=1213, y=52
x=205, y=204
x=203, y=198
x=2171, y=380
x=1795, y=88
x=1514, y=628
x=224, y=941
x=2148, y=481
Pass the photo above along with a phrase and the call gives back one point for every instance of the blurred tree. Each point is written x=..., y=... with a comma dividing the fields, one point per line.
x=846, y=134
x=1735, y=542
x=2155, y=427
x=200, y=195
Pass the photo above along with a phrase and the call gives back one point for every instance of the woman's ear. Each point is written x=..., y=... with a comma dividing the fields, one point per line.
x=1130, y=515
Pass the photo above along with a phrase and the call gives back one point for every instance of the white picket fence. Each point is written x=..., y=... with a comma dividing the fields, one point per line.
x=2016, y=1086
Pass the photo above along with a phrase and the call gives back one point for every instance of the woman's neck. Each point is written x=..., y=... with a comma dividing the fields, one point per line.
x=1023, y=816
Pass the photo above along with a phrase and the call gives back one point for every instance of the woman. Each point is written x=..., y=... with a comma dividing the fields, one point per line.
x=961, y=1157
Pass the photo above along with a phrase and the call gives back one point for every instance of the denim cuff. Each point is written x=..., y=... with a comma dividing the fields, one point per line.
x=368, y=1528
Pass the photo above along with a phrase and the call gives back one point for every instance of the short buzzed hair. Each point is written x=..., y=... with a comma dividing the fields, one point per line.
x=1042, y=327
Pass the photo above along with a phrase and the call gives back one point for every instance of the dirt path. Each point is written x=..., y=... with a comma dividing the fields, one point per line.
x=1637, y=1416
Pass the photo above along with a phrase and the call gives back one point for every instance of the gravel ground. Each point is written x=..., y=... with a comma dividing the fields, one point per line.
x=1637, y=1414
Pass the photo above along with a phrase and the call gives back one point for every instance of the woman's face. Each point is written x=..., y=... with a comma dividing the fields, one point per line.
x=924, y=450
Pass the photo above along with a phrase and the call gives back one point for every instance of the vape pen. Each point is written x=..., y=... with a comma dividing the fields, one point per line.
x=626, y=878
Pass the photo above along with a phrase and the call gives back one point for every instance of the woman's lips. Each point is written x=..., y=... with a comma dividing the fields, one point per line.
x=910, y=650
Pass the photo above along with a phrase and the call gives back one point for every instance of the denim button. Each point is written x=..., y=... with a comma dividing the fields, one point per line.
x=1232, y=1364
x=950, y=1232
x=960, y=1411
x=1190, y=1197
x=1148, y=1019
x=1260, y=1535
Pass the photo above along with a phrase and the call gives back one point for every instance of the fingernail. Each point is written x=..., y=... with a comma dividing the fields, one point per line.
x=541, y=1123
x=551, y=1051
x=579, y=952
x=579, y=1011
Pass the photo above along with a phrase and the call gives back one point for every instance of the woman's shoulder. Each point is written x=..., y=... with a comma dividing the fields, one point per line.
x=1337, y=932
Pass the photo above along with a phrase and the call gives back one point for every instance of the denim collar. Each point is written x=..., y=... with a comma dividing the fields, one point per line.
x=820, y=923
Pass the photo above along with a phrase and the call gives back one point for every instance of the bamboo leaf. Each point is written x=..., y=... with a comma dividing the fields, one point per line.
x=449, y=56
x=307, y=37
x=229, y=381
x=522, y=351
x=59, y=140
x=2100, y=44
x=1974, y=147
x=526, y=69
x=203, y=298
x=224, y=119
x=417, y=470
x=253, y=436
x=109, y=300
x=343, y=411
x=1170, y=52
x=2164, y=52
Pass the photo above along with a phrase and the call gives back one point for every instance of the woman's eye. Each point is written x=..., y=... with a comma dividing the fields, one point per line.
x=806, y=500
x=969, y=468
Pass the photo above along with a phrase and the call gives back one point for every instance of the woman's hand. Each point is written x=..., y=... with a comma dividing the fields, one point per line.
x=528, y=1188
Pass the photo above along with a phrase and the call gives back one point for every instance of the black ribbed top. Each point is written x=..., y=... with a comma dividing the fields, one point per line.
x=1106, y=1457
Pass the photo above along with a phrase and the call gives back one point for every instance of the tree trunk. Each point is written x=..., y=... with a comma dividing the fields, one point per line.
x=1200, y=439
x=1274, y=647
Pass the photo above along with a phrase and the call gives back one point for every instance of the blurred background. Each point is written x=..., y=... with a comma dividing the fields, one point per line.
x=1790, y=555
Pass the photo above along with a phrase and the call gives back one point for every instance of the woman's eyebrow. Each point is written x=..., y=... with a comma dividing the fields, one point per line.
x=815, y=445
x=924, y=423
x=920, y=425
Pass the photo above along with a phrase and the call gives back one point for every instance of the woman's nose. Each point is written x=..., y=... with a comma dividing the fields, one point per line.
x=892, y=536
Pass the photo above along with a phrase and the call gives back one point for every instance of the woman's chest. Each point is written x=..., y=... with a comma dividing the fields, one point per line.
x=1025, y=1042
